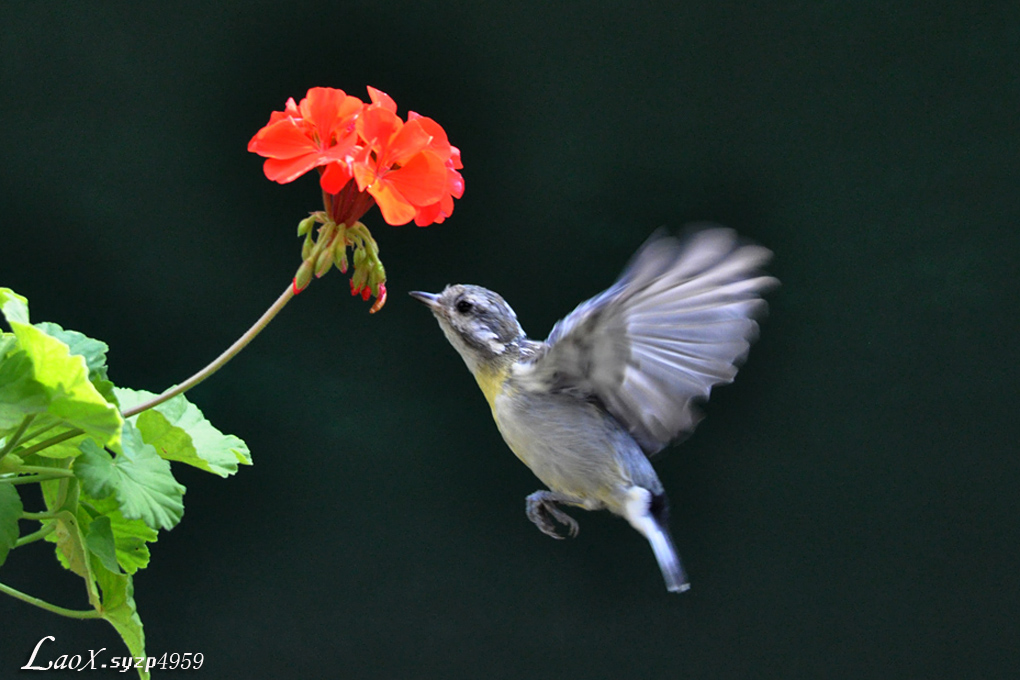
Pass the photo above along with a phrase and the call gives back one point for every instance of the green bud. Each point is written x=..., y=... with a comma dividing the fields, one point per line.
x=306, y=247
x=359, y=278
x=326, y=232
x=323, y=262
x=305, y=226
x=340, y=257
x=359, y=257
x=304, y=275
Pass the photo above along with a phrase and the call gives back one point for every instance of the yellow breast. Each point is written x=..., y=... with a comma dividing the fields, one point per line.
x=491, y=383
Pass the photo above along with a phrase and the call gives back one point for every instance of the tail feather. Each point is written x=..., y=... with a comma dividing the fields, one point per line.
x=669, y=562
x=638, y=510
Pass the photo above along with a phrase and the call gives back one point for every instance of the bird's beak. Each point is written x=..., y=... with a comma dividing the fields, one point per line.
x=429, y=299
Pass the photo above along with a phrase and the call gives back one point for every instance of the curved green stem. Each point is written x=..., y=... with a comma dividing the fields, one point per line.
x=36, y=535
x=38, y=431
x=38, y=516
x=42, y=604
x=63, y=436
x=222, y=359
x=13, y=440
x=43, y=470
x=33, y=479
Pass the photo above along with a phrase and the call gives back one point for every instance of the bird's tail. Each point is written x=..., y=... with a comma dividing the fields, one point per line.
x=647, y=514
x=669, y=562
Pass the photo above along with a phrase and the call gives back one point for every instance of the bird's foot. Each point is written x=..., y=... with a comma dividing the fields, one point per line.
x=542, y=510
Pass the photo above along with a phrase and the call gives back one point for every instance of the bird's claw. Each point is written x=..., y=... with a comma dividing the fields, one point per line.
x=542, y=510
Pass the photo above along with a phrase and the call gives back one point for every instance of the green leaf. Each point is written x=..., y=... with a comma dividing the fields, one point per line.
x=10, y=512
x=181, y=433
x=70, y=539
x=13, y=306
x=64, y=377
x=118, y=607
x=99, y=541
x=7, y=343
x=79, y=344
x=53, y=373
x=138, y=478
x=130, y=536
x=92, y=350
x=20, y=393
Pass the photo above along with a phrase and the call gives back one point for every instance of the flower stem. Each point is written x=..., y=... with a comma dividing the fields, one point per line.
x=71, y=613
x=38, y=516
x=38, y=431
x=56, y=439
x=44, y=470
x=221, y=359
x=13, y=440
x=36, y=535
x=33, y=479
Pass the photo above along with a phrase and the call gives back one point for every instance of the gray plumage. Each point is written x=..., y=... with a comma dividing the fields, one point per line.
x=618, y=378
x=680, y=320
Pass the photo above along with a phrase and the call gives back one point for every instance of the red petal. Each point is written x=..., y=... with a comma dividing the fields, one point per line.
x=411, y=139
x=423, y=217
x=334, y=178
x=376, y=125
x=350, y=108
x=422, y=180
x=283, y=139
x=364, y=169
x=435, y=213
x=395, y=210
x=454, y=183
x=382, y=99
x=288, y=170
x=440, y=144
x=319, y=107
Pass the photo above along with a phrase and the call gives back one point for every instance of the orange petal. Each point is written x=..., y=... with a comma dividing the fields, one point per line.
x=395, y=210
x=289, y=169
x=283, y=139
x=409, y=140
x=440, y=145
x=382, y=99
x=454, y=182
x=335, y=176
x=422, y=180
x=364, y=169
x=435, y=213
x=376, y=125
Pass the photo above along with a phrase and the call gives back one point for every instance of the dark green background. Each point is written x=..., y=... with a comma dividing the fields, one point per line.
x=849, y=508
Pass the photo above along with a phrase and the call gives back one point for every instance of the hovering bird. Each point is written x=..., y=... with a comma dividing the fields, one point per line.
x=618, y=378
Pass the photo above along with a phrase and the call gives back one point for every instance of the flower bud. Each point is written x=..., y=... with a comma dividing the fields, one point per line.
x=323, y=262
x=340, y=252
x=305, y=226
x=380, y=299
x=303, y=276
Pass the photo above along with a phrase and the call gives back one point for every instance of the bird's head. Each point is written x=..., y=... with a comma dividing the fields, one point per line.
x=478, y=323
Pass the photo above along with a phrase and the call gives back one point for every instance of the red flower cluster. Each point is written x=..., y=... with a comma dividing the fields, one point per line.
x=409, y=169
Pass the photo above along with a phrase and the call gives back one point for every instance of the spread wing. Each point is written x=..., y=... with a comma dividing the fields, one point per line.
x=679, y=321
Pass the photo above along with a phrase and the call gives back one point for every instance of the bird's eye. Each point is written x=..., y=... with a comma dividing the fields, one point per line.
x=464, y=306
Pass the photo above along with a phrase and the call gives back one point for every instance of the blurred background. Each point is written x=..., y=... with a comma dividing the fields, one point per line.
x=848, y=509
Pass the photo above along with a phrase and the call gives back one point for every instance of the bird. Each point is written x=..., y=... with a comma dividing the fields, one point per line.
x=618, y=379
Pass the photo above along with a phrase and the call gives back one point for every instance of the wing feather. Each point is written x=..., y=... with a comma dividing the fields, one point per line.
x=680, y=320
